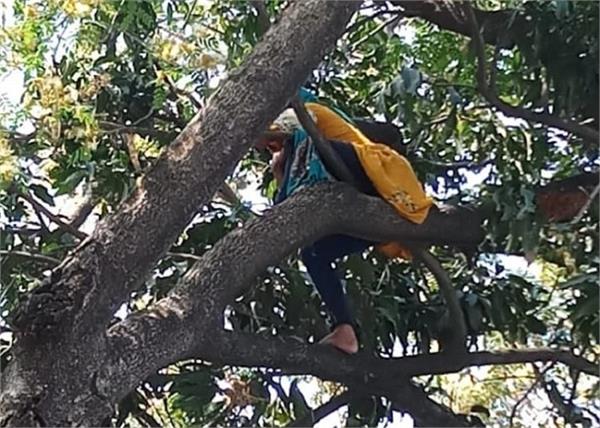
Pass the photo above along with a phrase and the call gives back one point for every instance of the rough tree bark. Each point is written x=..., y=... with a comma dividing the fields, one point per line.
x=70, y=367
x=60, y=331
x=498, y=27
x=167, y=333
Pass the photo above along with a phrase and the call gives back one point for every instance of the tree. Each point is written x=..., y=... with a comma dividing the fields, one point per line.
x=126, y=323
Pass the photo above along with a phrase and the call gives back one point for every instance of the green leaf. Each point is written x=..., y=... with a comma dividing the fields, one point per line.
x=579, y=281
x=70, y=183
x=411, y=79
x=301, y=407
x=536, y=326
x=42, y=193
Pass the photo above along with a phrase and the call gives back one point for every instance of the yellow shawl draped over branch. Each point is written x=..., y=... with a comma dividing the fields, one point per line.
x=391, y=174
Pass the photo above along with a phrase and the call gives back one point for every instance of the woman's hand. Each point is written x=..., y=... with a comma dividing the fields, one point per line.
x=278, y=166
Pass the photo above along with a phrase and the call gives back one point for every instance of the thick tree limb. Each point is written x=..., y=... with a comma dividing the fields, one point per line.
x=497, y=26
x=61, y=328
x=570, y=126
x=189, y=173
x=296, y=357
x=293, y=356
x=168, y=330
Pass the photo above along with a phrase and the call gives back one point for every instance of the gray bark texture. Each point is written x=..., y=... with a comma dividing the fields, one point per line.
x=495, y=24
x=61, y=330
x=70, y=366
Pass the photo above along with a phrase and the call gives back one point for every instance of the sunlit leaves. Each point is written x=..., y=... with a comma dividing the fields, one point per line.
x=104, y=102
x=8, y=164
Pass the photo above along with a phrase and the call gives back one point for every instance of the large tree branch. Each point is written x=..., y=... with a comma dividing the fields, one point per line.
x=293, y=356
x=65, y=318
x=364, y=374
x=486, y=89
x=169, y=329
x=32, y=256
x=126, y=245
x=497, y=26
x=374, y=375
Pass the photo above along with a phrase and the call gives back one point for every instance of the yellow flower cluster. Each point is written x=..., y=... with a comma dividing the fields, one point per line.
x=78, y=8
x=8, y=164
x=173, y=51
x=97, y=82
x=145, y=146
x=47, y=96
x=50, y=95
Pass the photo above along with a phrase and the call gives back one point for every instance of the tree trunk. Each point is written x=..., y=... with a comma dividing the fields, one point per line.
x=61, y=342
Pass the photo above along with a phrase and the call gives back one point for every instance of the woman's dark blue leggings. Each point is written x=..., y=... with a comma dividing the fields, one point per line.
x=318, y=258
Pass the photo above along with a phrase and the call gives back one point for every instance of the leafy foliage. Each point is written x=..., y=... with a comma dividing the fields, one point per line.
x=108, y=84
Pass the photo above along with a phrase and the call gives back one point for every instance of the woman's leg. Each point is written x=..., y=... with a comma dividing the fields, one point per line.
x=318, y=258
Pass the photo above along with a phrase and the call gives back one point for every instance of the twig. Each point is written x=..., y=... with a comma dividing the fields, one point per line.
x=188, y=15
x=534, y=385
x=575, y=378
x=82, y=212
x=455, y=330
x=60, y=39
x=567, y=125
x=17, y=137
x=228, y=195
x=368, y=18
x=180, y=92
x=133, y=154
x=37, y=206
x=117, y=128
x=22, y=230
x=185, y=256
x=277, y=387
x=43, y=224
x=165, y=403
x=494, y=69
x=33, y=256
x=375, y=31
x=144, y=117
x=330, y=157
x=320, y=412
x=587, y=204
x=458, y=165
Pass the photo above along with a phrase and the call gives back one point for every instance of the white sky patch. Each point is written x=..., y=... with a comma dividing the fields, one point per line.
x=11, y=86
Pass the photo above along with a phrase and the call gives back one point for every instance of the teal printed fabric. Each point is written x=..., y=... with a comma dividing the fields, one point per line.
x=305, y=166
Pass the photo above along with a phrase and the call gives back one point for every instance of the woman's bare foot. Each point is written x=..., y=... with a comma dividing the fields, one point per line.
x=343, y=338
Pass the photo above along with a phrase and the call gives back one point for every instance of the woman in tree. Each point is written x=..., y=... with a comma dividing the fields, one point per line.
x=377, y=171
